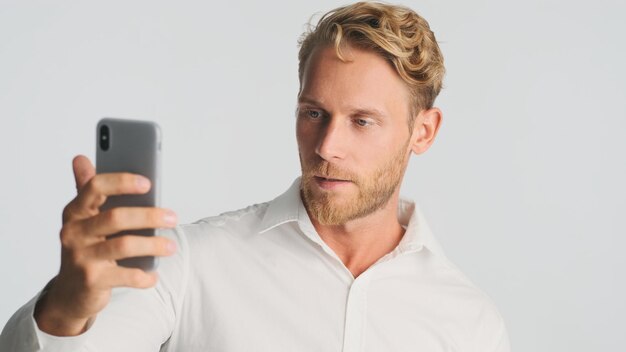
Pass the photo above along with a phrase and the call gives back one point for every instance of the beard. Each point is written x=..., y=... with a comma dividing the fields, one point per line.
x=373, y=190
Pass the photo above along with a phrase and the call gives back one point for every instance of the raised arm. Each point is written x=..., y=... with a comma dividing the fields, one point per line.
x=89, y=272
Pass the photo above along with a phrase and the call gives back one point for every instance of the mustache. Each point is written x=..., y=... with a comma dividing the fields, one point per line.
x=327, y=170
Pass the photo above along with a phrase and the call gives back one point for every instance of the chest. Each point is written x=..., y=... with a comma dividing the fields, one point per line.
x=309, y=306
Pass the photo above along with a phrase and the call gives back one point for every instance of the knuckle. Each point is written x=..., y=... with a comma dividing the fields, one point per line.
x=93, y=185
x=126, y=182
x=100, y=199
x=122, y=245
x=66, y=236
x=75, y=256
x=115, y=217
x=90, y=275
x=67, y=212
x=137, y=277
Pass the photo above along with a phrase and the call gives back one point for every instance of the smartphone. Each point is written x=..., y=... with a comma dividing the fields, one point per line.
x=133, y=146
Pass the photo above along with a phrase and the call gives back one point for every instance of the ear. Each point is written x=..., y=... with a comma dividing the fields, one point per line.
x=425, y=129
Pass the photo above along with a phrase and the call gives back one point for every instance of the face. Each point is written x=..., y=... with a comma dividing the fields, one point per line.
x=352, y=134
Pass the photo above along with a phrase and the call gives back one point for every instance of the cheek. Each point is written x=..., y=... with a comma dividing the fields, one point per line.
x=304, y=137
x=299, y=140
x=378, y=152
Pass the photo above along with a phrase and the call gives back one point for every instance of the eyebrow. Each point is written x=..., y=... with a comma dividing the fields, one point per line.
x=353, y=111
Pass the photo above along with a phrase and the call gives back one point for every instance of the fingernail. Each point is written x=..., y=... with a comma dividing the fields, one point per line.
x=170, y=217
x=171, y=247
x=143, y=183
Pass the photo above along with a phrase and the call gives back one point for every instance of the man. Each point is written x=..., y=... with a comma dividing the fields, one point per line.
x=337, y=263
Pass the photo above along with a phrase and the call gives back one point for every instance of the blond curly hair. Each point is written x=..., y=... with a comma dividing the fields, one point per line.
x=396, y=33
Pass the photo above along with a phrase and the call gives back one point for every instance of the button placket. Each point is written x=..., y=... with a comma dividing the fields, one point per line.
x=356, y=313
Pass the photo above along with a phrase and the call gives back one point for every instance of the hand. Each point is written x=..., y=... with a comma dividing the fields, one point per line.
x=88, y=260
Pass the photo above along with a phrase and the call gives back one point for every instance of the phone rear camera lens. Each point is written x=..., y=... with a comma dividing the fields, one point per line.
x=104, y=137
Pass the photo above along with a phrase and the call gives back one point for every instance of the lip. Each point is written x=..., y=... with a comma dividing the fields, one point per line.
x=329, y=183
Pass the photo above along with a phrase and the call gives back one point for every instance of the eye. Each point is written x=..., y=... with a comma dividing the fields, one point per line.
x=313, y=114
x=362, y=122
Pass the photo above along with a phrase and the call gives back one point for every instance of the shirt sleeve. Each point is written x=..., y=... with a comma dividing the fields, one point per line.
x=134, y=320
x=492, y=332
x=501, y=340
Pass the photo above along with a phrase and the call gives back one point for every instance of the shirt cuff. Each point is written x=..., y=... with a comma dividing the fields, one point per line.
x=27, y=336
x=54, y=343
x=21, y=333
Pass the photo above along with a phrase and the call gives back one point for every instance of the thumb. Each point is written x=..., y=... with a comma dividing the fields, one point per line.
x=83, y=171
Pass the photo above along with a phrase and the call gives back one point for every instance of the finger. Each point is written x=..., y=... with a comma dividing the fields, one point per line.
x=94, y=193
x=83, y=171
x=129, y=246
x=129, y=277
x=119, y=219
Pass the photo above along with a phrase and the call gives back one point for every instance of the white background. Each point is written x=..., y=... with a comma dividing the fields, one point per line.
x=524, y=186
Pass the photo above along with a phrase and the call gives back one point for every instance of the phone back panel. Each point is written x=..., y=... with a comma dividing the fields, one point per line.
x=133, y=146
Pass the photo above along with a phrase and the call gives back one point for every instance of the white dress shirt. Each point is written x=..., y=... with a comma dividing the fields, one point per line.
x=261, y=279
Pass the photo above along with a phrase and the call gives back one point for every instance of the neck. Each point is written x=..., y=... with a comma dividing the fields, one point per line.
x=361, y=242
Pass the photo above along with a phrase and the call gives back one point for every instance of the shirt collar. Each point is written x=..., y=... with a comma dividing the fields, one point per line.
x=288, y=207
x=282, y=209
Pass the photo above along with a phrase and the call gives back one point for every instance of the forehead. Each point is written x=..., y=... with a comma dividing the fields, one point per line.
x=365, y=78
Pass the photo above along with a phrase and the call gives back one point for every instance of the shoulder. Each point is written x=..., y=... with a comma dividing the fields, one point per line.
x=208, y=242
x=247, y=218
x=232, y=226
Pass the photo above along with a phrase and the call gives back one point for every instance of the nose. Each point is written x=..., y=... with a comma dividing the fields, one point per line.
x=332, y=140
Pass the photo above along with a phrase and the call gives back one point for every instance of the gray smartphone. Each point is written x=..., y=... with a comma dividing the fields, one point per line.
x=133, y=146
